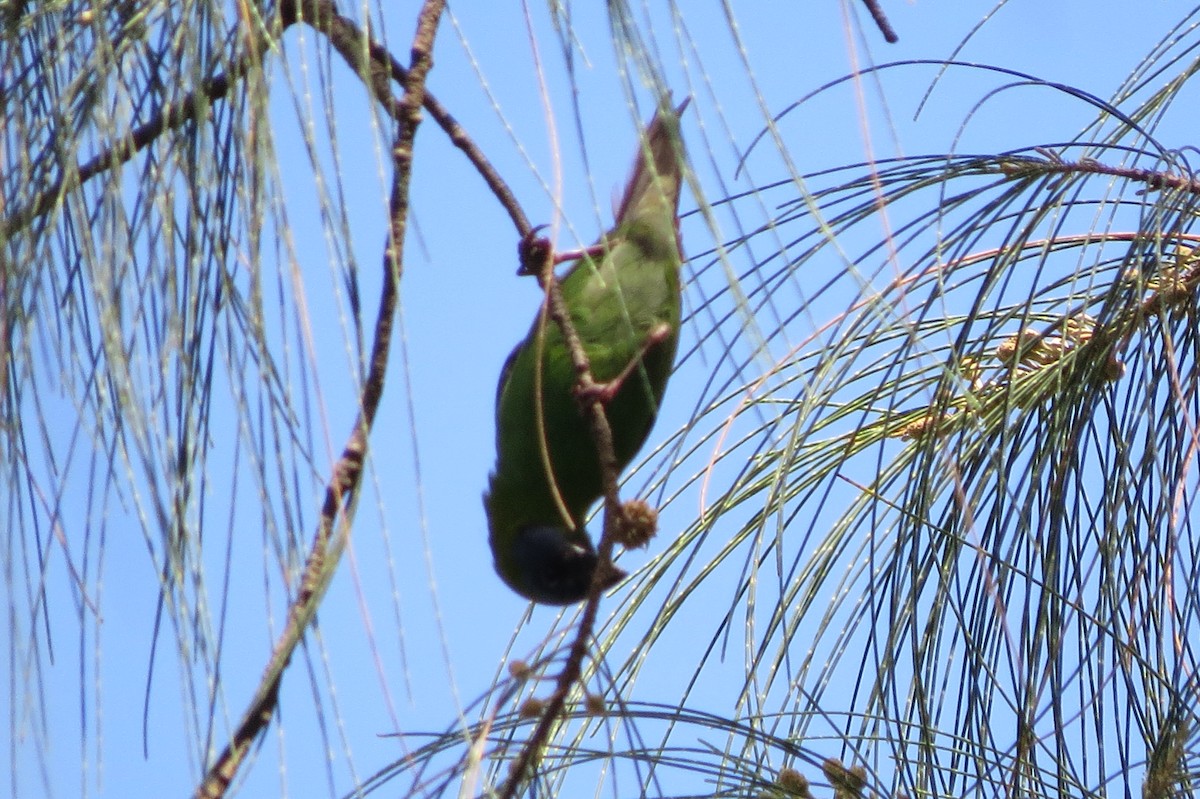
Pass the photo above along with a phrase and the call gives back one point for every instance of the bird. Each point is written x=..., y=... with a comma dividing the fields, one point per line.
x=623, y=296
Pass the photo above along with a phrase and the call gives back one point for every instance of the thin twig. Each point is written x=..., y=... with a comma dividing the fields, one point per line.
x=881, y=20
x=1054, y=163
x=341, y=491
x=169, y=117
x=349, y=43
x=460, y=139
x=609, y=473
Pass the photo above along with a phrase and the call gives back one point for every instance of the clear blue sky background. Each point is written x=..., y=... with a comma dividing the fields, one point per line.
x=419, y=544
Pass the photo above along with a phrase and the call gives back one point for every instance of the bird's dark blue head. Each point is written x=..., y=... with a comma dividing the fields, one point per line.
x=552, y=569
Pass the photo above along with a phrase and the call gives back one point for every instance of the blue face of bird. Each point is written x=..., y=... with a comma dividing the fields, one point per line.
x=553, y=569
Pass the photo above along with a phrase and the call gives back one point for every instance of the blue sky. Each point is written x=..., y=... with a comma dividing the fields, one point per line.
x=416, y=624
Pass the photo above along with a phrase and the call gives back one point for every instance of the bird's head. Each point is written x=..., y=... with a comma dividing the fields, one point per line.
x=549, y=567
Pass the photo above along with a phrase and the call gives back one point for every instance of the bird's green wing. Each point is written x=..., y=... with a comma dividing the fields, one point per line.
x=625, y=305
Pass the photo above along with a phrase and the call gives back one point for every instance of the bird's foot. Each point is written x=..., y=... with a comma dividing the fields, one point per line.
x=605, y=392
x=591, y=391
x=533, y=251
x=536, y=252
x=595, y=251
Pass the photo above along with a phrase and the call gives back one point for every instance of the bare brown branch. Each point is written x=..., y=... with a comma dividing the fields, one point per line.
x=341, y=492
x=1029, y=167
x=881, y=20
x=350, y=43
x=526, y=761
x=169, y=117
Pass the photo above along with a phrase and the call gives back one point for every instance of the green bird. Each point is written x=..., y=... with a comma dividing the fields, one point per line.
x=623, y=295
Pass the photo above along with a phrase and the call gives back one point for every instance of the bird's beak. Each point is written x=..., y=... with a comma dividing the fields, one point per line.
x=611, y=577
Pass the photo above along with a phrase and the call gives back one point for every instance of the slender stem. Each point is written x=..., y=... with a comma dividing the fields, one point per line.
x=609, y=473
x=881, y=20
x=341, y=492
x=346, y=38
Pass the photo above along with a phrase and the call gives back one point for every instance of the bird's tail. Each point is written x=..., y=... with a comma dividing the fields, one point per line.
x=653, y=188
